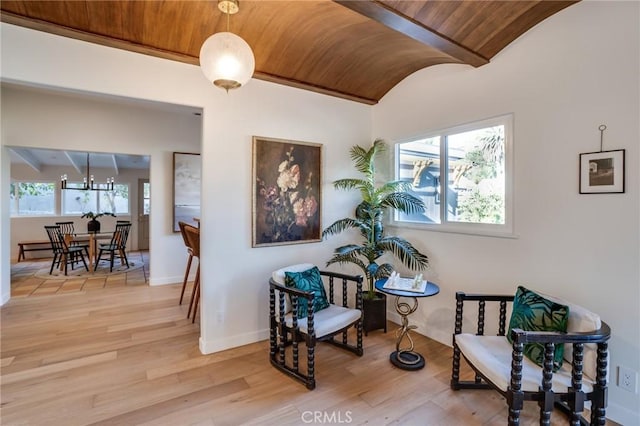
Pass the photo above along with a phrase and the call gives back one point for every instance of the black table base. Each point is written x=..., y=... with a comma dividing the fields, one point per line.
x=404, y=357
x=407, y=360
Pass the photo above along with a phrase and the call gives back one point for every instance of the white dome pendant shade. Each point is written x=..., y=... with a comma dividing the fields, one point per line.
x=225, y=58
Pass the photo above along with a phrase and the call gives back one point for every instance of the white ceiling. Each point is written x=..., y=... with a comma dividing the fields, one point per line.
x=38, y=158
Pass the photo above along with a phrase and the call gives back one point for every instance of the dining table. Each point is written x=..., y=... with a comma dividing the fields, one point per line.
x=91, y=238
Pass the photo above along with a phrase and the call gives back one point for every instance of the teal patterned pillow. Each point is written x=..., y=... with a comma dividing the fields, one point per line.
x=309, y=281
x=532, y=312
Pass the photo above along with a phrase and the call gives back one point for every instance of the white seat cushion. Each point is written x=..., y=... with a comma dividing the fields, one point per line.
x=581, y=320
x=327, y=321
x=491, y=355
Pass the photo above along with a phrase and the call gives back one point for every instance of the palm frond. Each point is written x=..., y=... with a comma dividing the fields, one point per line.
x=349, y=183
x=341, y=225
x=349, y=250
x=395, y=186
x=404, y=202
x=405, y=252
x=364, y=159
x=384, y=270
x=342, y=259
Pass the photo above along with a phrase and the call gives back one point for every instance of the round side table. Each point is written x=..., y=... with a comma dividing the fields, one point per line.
x=405, y=357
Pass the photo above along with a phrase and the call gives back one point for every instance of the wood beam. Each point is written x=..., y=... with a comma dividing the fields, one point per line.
x=397, y=21
x=115, y=164
x=28, y=158
x=73, y=162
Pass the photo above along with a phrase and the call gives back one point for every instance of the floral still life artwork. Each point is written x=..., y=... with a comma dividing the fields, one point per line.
x=286, y=192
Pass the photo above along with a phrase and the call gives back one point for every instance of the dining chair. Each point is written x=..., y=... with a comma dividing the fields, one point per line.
x=62, y=252
x=189, y=260
x=193, y=238
x=117, y=244
x=67, y=228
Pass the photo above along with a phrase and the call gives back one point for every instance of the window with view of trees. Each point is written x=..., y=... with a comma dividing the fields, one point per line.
x=463, y=175
x=32, y=198
x=79, y=202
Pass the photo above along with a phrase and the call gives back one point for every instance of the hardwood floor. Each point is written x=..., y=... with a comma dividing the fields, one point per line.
x=28, y=280
x=128, y=355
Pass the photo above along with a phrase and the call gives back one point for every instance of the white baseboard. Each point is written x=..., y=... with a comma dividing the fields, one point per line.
x=211, y=346
x=622, y=415
x=437, y=335
x=165, y=280
x=5, y=298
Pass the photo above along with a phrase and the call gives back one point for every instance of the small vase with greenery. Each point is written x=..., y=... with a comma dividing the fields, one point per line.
x=368, y=220
x=93, y=225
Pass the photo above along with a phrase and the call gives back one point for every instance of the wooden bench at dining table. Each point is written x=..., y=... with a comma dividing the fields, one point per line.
x=37, y=245
x=40, y=245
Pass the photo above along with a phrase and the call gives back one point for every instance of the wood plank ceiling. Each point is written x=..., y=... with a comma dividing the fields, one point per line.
x=356, y=50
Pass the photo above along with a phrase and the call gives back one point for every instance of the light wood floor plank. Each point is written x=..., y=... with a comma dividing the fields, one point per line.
x=127, y=355
x=54, y=368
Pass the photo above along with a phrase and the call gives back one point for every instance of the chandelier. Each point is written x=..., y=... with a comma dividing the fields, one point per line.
x=225, y=58
x=89, y=184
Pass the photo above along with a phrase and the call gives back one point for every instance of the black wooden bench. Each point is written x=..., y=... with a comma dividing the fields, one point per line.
x=32, y=246
x=39, y=245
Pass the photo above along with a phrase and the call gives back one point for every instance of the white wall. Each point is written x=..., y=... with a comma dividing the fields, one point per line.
x=562, y=79
x=234, y=276
x=55, y=120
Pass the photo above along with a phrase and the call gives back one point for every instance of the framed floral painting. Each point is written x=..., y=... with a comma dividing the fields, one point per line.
x=286, y=192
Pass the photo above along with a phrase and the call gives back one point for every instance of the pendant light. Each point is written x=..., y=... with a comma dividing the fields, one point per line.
x=88, y=184
x=225, y=58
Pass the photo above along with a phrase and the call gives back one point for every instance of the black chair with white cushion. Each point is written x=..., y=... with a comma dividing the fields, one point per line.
x=301, y=312
x=557, y=369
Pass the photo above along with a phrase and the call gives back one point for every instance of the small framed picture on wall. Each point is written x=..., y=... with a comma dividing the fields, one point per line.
x=602, y=172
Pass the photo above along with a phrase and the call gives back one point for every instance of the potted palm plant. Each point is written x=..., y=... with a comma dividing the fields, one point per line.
x=368, y=220
x=93, y=225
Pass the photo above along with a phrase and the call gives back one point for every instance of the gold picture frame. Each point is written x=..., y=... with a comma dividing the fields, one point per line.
x=286, y=192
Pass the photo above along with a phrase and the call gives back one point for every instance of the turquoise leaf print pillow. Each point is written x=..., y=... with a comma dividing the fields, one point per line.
x=309, y=281
x=532, y=312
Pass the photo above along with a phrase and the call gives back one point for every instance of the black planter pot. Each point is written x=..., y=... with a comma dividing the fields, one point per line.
x=93, y=226
x=375, y=313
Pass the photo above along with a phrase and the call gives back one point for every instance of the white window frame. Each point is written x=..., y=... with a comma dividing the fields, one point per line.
x=55, y=199
x=505, y=230
x=97, y=208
